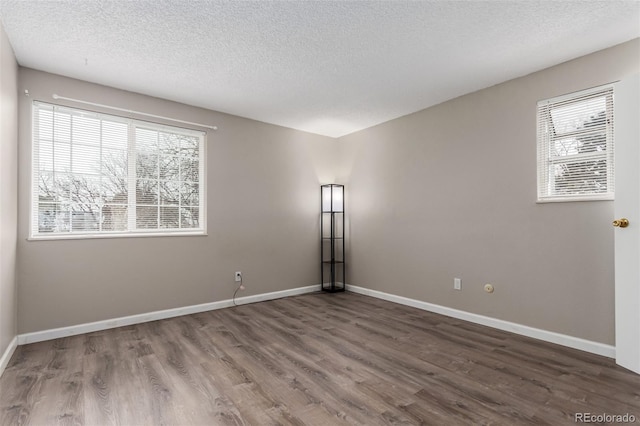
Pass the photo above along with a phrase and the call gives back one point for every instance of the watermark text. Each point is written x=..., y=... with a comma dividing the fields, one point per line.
x=604, y=418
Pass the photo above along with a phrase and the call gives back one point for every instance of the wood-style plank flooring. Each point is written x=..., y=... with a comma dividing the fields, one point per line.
x=316, y=359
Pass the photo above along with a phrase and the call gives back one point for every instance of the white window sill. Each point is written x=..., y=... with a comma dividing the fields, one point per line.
x=54, y=237
x=573, y=199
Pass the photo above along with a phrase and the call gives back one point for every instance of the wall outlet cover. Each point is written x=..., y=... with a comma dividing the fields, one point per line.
x=457, y=284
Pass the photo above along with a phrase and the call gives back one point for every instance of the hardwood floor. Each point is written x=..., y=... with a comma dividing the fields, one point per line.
x=317, y=359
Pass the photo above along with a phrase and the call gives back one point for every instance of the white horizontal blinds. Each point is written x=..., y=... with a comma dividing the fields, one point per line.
x=168, y=179
x=575, y=146
x=81, y=171
x=102, y=174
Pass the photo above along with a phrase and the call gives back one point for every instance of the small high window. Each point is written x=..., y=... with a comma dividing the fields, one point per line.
x=575, y=146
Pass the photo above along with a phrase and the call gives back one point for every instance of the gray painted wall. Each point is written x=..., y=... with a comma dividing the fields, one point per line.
x=263, y=200
x=450, y=191
x=8, y=190
x=446, y=192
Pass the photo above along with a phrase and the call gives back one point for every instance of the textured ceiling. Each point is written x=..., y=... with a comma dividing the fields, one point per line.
x=327, y=67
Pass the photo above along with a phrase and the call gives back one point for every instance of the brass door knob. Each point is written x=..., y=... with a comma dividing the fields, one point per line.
x=621, y=223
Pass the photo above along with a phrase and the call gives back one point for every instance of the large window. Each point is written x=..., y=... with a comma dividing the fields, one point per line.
x=101, y=175
x=575, y=146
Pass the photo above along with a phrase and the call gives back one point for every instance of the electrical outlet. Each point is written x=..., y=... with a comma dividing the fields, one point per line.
x=457, y=284
x=238, y=276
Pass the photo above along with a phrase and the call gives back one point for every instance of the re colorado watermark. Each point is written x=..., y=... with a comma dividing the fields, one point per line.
x=603, y=418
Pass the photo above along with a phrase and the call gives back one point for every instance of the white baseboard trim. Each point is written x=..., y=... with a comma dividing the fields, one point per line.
x=6, y=356
x=547, y=336
x=536, y=333
x=55, y=333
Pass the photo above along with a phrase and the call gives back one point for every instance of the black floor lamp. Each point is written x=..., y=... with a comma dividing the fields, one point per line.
x=332, y=251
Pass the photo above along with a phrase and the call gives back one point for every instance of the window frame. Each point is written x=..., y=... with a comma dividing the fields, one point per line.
x=132, y=125
x=544, y=160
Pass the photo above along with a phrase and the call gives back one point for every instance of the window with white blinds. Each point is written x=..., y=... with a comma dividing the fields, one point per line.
x=575, y=146
x=102, y=175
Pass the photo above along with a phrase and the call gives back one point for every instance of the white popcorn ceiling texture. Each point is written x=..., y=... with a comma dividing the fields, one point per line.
x=327, y=67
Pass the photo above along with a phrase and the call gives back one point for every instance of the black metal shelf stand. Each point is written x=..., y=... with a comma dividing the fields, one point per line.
x=332, y=239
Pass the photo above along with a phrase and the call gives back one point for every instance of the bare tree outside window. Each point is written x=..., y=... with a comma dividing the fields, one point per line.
x=84, y=181
x=588, y=176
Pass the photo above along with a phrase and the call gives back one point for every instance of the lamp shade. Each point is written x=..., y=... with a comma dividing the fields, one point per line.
x=332, y=198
